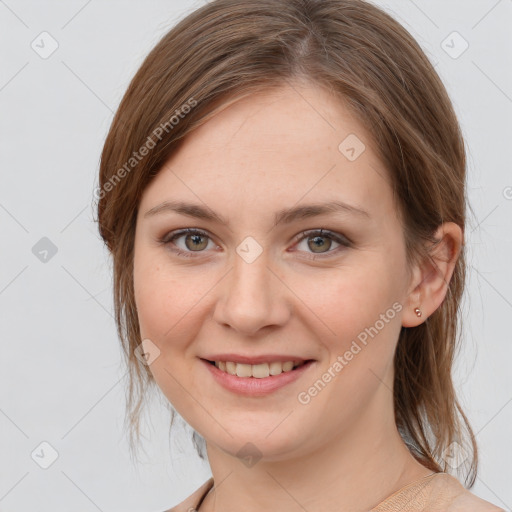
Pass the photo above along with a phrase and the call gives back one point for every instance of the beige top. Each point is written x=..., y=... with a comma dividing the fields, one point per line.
x=439, y=492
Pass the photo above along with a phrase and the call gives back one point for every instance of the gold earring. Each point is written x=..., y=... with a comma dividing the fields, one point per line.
x=417, y=311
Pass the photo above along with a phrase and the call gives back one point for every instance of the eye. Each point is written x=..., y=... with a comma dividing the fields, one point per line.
x=194, y=240
x=316, y=242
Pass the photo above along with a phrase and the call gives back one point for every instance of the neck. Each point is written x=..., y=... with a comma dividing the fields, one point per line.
x=354, y=470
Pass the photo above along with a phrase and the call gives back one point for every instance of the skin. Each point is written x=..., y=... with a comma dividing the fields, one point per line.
x=272, y=150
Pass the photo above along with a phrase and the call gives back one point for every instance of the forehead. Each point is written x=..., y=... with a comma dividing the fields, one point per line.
x=305, y=118
x=274, y=148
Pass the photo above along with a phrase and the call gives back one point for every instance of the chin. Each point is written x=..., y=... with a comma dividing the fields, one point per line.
x=259, y=443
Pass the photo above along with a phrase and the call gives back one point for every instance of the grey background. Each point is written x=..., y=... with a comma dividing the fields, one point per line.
x=61, y=377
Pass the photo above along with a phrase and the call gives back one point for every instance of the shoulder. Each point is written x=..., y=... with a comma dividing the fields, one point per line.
x=447, y=489
x=440, y=492
x=466, y=501
x=189, y=504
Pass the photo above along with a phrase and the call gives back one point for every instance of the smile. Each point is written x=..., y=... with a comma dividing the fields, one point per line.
x=256, y=380
x=258, y=371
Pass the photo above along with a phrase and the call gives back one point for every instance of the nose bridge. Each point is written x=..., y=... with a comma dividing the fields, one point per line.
x=251, y=296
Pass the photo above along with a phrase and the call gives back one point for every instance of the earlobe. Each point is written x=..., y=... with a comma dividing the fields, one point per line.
x=413, y=313
x=431, y=279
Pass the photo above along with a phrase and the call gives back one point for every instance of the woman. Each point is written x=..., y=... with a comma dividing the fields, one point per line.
x=283, y=193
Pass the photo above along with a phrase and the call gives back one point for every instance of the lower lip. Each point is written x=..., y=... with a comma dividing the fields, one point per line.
x=252, y=386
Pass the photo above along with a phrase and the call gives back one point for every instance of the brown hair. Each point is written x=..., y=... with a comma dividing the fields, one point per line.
x=228, y=49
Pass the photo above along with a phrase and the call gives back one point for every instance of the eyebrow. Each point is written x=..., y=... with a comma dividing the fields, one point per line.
x=284, y=216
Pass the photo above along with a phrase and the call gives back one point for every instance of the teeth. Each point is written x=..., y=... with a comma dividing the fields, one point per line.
x=259, y=371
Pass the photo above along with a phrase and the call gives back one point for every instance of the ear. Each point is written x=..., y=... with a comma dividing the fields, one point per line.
x=430, y=278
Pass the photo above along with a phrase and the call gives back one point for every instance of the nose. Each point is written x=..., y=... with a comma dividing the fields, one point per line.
x=252, y=297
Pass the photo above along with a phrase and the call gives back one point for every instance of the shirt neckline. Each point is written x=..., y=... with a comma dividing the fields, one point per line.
x=383, y=502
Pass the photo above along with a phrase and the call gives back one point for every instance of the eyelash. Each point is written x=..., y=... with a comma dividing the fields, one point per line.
x=343, y=241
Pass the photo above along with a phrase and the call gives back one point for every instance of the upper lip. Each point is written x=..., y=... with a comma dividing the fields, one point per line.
x=262, y=358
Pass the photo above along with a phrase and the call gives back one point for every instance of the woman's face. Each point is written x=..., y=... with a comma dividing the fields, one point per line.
x=246, y=286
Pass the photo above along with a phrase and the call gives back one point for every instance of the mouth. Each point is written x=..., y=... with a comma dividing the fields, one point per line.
x=256, y=380
x=257, y=371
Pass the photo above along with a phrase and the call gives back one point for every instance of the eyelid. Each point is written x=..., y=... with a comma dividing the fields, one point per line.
x=176, y=233
x=339, y=238
x=333, y=235
x=343, y=241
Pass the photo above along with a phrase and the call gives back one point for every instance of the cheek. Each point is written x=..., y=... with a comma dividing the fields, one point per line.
x=156, y=298
x=361, y=306
x=150, y=298
x=347, y=300
x=155, y=293
x=162, y=309
x=168, y=301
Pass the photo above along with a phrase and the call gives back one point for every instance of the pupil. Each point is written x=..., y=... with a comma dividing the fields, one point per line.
x=196, y=241
x=318, y=242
